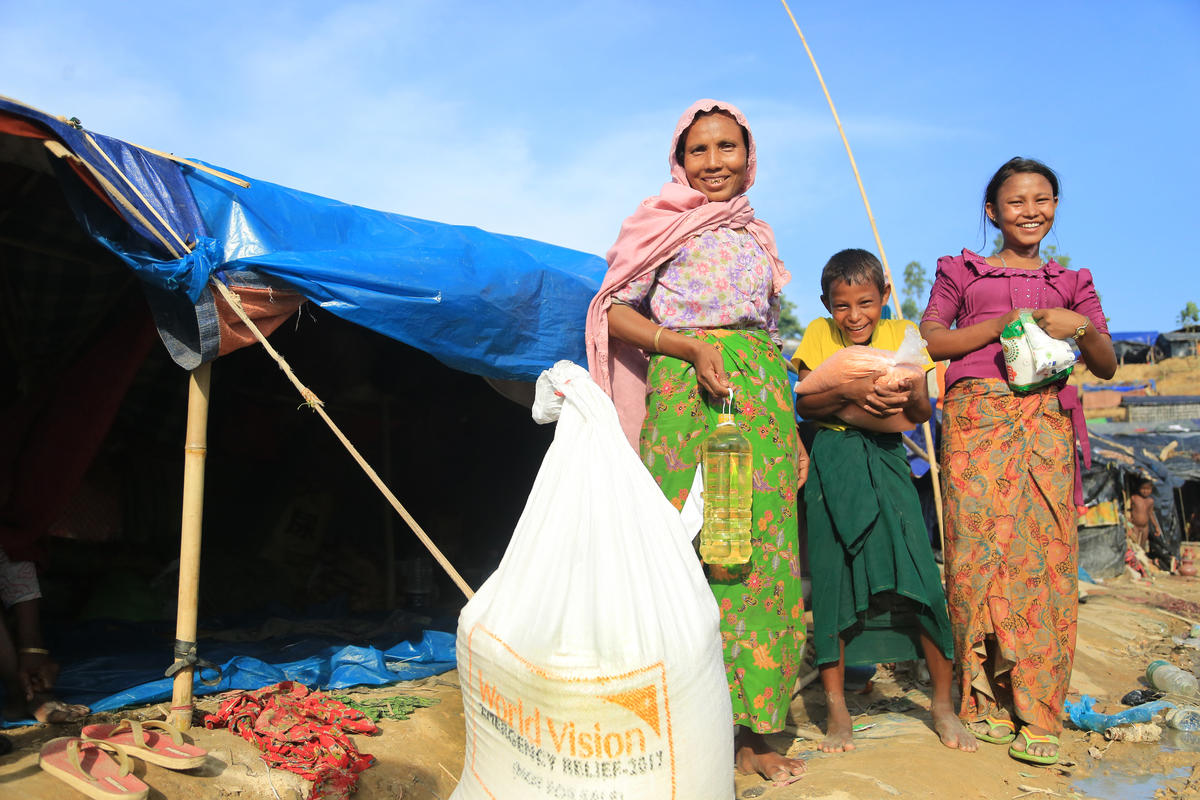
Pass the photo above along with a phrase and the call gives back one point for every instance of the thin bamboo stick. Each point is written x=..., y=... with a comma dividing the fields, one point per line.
x=317, y=405
x=178, y=239
x=925, y=427
x=60, y=151
x=195, y=165
x=195, y=452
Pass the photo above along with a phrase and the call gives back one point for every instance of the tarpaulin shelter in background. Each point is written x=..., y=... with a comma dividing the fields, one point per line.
x=1135, y=347
x=488, y=304
x=501, y=307
x=1123, y=455
x=1179, y=344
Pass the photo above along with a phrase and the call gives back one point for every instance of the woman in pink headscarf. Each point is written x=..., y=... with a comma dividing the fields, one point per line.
x=689, y=310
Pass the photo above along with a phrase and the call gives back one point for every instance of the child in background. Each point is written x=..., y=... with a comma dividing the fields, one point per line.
x=877, y=594
x=1141, y=515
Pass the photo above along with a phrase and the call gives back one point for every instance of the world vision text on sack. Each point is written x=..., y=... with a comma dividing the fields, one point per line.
x=569, y=737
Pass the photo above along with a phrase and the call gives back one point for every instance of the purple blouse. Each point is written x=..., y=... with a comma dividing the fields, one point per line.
x=967, y=290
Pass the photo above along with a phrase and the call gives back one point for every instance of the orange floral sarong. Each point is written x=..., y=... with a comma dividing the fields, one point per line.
x=1011, y=548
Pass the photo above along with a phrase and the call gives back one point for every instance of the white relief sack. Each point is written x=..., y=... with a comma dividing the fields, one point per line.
x=590, y=660
x=1032, y=358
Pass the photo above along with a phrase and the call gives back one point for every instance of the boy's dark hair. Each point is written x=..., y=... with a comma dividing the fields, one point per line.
x=852, y=266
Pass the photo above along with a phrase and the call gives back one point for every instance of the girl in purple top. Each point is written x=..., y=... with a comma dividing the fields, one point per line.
x=1010, y=467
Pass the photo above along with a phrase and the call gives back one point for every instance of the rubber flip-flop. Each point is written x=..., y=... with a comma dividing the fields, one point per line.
x=1030, y=738
x=995, y=722
x=87, y=767
x=154, y=742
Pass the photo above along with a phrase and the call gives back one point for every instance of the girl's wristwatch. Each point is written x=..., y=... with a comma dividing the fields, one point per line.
x=1080, y=331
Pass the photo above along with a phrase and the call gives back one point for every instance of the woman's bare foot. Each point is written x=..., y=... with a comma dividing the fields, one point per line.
x=839, y=728
x=45, y=709
x=752, y=754
x=48, y=709
x=950, y=728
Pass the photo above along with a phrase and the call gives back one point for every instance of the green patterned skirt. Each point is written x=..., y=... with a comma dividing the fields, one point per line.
x=761, y=604
x=875, y=584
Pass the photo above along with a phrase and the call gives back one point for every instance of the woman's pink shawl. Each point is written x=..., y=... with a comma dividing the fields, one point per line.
x=650, y=237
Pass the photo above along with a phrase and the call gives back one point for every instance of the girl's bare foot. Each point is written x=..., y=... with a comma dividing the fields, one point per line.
x=752, y=754
x=950, y=728
x=839, y=728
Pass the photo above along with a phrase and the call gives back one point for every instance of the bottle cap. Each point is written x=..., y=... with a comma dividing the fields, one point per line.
x=725, y=419
x=1153, y=666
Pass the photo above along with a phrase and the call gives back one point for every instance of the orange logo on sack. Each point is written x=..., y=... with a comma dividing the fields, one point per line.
x=580, y=748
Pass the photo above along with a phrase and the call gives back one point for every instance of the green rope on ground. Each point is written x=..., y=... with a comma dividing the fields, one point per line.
x=396, y=707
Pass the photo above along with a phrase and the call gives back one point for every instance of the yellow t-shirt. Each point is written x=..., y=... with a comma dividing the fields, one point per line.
x=823, y=338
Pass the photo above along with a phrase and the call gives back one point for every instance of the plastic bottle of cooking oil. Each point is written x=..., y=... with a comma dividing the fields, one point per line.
x=728, y=491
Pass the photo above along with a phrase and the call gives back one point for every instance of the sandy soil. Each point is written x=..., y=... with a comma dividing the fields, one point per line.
x=1120, y=632
x=1172, y=376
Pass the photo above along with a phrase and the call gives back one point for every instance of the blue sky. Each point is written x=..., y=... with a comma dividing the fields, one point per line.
x=552, y=120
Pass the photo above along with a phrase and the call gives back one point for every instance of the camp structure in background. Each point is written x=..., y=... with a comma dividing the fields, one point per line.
x=1135, y=347
x=1123, y=455
x=108, y=249
x=1179, y=344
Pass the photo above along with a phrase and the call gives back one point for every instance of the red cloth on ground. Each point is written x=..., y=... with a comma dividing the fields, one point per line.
x=301, y=731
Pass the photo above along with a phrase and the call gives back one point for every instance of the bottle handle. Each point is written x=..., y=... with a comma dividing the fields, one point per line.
x=727, y=403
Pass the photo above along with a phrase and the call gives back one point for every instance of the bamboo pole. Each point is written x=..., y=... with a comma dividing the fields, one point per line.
x=195, y=452
x=225, y=176
x=138, y=193
x=925, y=427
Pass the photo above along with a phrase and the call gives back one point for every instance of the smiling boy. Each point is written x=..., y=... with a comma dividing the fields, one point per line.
x=877, y=594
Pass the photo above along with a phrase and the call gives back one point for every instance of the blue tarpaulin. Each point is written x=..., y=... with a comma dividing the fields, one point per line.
x=484, y=303
x=1141, y=337
x=133, y=676
x=492, y=305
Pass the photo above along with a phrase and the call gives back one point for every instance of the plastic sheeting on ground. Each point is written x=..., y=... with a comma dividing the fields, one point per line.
x=126, y=678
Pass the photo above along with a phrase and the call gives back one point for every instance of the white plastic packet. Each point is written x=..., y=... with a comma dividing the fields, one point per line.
x=590, y=661
x=1032, y=358
x=858, y=361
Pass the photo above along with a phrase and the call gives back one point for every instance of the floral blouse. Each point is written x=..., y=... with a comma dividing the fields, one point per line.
x=718, y=279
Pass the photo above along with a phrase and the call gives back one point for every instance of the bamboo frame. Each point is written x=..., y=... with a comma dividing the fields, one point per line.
x=194, y=165
x=195, y=454
x=925, y=427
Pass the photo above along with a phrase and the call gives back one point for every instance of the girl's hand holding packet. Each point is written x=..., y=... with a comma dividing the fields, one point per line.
x=1031, y=357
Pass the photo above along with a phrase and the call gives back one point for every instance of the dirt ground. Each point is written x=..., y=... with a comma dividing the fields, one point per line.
x=1120, y=631
x=1171, y=376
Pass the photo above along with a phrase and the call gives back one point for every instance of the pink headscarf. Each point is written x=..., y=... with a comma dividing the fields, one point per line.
x=650, y=236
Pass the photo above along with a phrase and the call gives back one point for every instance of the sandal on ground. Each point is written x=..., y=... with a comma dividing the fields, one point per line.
x=154, y=742
x=87, y=767
x=993, y=723
x=1038, y=738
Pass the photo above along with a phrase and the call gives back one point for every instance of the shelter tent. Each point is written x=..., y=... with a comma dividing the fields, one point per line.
x=1179, y=344
x=95, y=231
x=492, y=305
x=1135, y=347
x=1122, y=456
